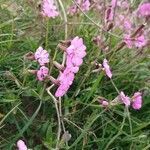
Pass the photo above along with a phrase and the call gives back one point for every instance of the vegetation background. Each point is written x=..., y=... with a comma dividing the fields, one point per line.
x=28, y=113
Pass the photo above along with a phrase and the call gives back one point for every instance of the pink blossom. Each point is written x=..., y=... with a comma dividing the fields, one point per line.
x=75, y=53
x=49, y=9
x=144, y=10
x=85, y=5
x=127, y=24
x=65, y=80
x=72, y=10
x=70, y=65
x=107, y=68
x=124, y=99
x=128, y=41
x=62, y=90
x=124, y=23
x=21, y=145
x=42, y=73
x=113, y=3
x=41, y=56
x=140, y=41
x=137, y=100
x=124, y=4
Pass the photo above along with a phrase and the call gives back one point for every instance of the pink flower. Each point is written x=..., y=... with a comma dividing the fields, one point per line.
x=72, y=10
x=21, y=145
x=123, y=4
x=124, y=99
x=128, y=41
x=65, y=80
x=62, y=90
x=41, y=56
x=42, y=73
x=144, y=10
x=70, y=65
x=107, y=68
x=137, y=100
x=49, y=9
x=113, y=3
x=140, y=41
x=124, y=22
x=85, y=5
x=75, y=53
x=127, y=24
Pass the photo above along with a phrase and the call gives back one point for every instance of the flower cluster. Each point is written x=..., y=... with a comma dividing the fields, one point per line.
x=49, y=9
x=135, y=101
x=75, y=54
x=84, y=4
x=42, y=57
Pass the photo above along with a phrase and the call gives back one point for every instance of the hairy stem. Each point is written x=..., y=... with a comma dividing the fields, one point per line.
x=58, y=116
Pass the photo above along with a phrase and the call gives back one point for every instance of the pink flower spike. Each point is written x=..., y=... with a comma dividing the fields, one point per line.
x=21, y=145
x=41, y=56
x=49, y=9
x=144, y=10
x=124, y=99
x=107, y=68
x=137, y=100
x=42, y=73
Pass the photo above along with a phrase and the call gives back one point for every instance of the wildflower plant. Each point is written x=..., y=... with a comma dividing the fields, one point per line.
x=85, y=63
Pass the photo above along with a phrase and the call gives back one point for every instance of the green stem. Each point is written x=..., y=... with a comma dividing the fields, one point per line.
x=47, y=32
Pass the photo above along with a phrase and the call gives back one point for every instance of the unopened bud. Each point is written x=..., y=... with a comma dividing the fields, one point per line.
x=29, y=56
x=32, y=71
x=58, y=66
x=62, y=47
x=53, y=80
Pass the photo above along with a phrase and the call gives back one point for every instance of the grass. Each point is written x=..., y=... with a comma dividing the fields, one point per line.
x=26, y=110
